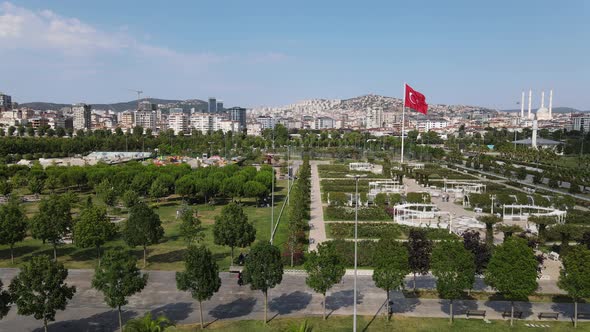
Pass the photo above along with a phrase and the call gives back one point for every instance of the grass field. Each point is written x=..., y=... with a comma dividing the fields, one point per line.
x=168, y=254
x=370, y=323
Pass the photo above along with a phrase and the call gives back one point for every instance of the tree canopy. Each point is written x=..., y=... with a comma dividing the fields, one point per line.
x=324, y=269
x=53, y=221
x=391, y=265
x=232, y=228
x=13, y=225
x=40, y=289
x=263, y=270
x=574, y=276
x=93, y=229
x=200, y=277
x=143, y=228
x=118, y=278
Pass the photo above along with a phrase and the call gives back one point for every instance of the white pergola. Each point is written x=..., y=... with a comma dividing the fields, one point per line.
x=464, y=186
x=384, y=187
x=521, y=213
x=421, y=215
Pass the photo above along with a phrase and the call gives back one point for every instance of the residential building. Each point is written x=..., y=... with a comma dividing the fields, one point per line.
x=254, y=129
x=82, y=116
x=428, y=124
x=228, y=125
x=266, y=122
x=178, y=121
x=581, y=122
x=375, y=117
x=147, y=105
x=126, y=119
x=323, y=122
x=238, y=114
x=145, y=119
x=5, y=102
x=39, y=122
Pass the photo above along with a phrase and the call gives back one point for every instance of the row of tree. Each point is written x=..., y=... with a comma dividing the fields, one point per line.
x=299, y=205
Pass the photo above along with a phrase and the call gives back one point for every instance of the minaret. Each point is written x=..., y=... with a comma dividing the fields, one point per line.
x=522, y=106
x=542, y=99
x=530, y=103
x=550, y=103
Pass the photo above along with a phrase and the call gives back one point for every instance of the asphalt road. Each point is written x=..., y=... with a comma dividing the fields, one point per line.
x=88, y=312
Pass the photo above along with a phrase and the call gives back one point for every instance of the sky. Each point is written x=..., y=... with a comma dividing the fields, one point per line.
x=254, y=53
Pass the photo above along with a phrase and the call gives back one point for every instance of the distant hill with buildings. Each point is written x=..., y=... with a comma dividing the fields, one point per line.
x=122, y=106
x=554, y=110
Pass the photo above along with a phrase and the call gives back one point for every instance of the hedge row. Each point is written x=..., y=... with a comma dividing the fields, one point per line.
x=380, y=230
x=348, y=213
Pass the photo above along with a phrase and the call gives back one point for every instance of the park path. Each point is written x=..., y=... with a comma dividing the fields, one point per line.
x=317, y=229
x=88, y=312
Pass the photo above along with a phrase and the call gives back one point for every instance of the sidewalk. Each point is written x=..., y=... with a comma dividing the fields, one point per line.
x=317, y=229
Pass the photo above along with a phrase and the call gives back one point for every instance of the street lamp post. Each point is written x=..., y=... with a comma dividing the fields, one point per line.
x=356, y=217
x=493, y=197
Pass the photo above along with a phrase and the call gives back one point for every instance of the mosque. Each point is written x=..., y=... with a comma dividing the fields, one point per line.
x=542, y=114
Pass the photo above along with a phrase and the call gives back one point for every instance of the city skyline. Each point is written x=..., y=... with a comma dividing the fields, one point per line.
x=457, y=54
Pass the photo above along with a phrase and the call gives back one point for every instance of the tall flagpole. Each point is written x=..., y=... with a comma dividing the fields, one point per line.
x=403, y=123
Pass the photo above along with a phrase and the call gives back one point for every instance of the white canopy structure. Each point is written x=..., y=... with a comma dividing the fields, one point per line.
x=384, y=187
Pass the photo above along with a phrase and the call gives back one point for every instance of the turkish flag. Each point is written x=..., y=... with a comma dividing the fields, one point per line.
x=415, y=100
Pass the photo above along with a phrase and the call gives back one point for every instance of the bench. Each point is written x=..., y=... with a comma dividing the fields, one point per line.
x=517, y=314
x=470, y=312
x=584, y=315
x=553, y=315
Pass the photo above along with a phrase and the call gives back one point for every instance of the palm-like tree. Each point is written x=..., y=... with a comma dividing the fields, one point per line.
x=148, y=324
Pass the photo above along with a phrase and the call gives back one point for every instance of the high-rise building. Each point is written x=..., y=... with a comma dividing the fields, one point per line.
x=147, y=105
x=238, y=114
x=146, y=119
x=323, y=122
x=178, y=121
x=5, y=102
x=212, y=105
x=82, y=116
x=266, y=122
x=582, y=123
x=126, y=119
x=219, y=108
x=375, y=117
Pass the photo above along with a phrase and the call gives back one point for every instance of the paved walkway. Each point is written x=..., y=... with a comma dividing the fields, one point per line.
x=317, y=231
x=88, y=312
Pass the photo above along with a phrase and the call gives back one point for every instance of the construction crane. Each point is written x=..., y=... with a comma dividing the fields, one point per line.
x=139, y=92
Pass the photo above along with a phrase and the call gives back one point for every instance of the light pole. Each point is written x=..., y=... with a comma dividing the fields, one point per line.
x=493, y=197
x=356, y=220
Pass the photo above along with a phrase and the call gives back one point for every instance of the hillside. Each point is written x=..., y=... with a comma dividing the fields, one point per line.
x=554, y=110
x=122, y=106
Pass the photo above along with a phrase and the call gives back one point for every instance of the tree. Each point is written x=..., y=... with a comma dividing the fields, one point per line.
x=263, y=270
x=574, y=276
x=490, y=221
x=93, y=229
x=256, y=190
x=190, y=226
x=35, y=185
x=232, y=228
x=512, y=271
x=324, y=269
x=130, y=198
x=391, y=266
x=542, y=222
x=508, y=230
x=143, y=228
x=4, y=301
x=39, y=289
x=13, y=225
x=419, y=249
x=454, y=269
x=201, y=276
x=106, y=192
x=148, y=324
x=53, y=221
x=118, y=278
x=481, y=251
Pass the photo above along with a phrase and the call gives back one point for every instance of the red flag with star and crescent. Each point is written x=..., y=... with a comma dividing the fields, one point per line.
x=415, y=100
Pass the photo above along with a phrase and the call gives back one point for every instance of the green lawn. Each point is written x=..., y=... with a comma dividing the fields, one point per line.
x=168, y=254
x=379, y=323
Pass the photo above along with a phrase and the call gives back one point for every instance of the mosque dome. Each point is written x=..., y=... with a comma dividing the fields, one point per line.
x=543, y=114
